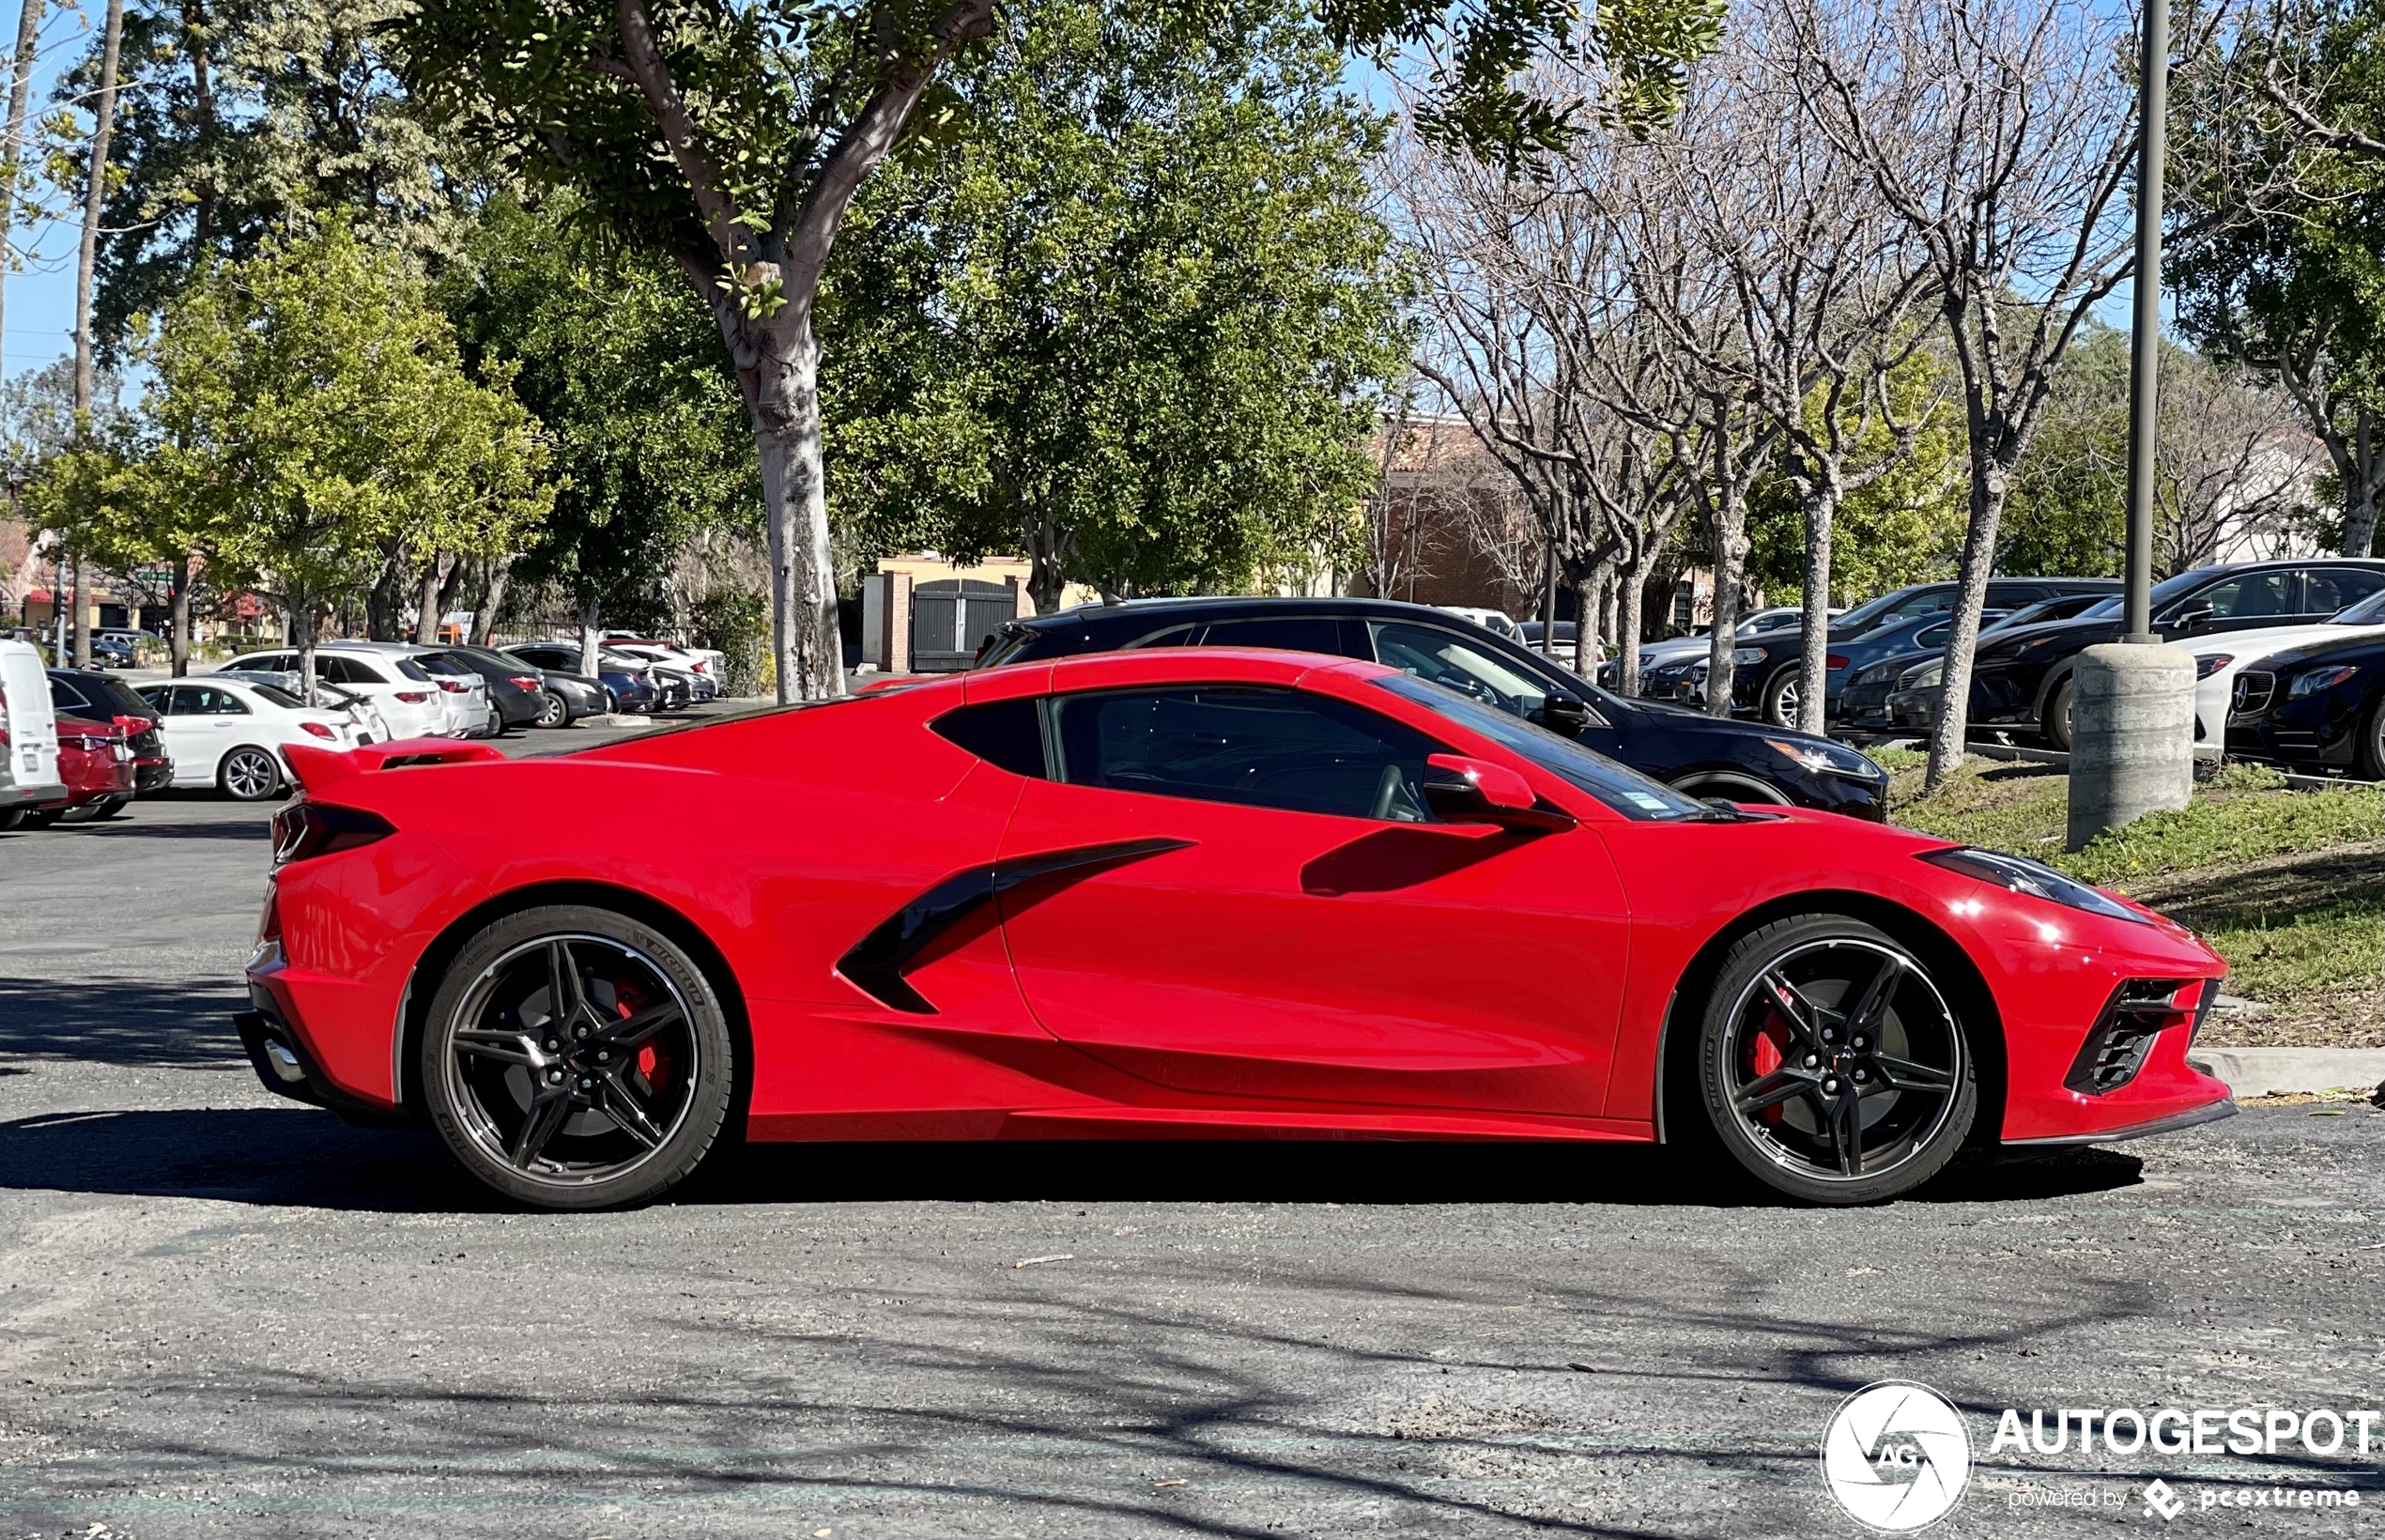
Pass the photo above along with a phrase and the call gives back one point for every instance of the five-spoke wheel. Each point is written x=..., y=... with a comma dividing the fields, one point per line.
x=1832, y=1064
x=576, y=1058
x=249, y=774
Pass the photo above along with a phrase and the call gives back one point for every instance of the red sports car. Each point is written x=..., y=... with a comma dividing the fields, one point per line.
x=1172, y=894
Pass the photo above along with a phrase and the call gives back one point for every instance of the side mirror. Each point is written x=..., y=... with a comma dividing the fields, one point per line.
x=1564, y=712
x=1465, y=791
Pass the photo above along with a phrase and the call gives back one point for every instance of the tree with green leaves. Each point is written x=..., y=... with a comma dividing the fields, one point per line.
x=644, y=424
x=310, y=405
x=732, y=140
x=1137, y=325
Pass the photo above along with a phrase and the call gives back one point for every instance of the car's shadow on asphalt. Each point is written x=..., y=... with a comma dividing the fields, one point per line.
x=122, y=1021
x=296, y=1157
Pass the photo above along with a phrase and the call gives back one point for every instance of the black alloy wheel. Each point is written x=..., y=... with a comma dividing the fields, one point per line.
x=2371, y=744
x=576, y=1058
x=249, y=774
x=552, y=711
x=1832, y=1066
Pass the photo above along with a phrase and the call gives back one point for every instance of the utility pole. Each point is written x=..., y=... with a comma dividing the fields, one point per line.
x=2132, y=705
x=93, y=195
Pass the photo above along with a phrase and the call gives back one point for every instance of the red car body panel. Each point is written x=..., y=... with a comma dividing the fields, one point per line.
x=1245, y=971
x=94, y=761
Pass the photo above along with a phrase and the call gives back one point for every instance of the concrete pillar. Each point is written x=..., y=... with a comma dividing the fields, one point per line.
x=2131, y=736
x=894, y=642
x=1020, y=603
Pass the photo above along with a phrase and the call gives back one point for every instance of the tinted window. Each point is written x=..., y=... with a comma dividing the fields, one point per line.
x=1935, y=636
x=2255, y=595
x=1618, y=786
x=208, y=701
x=2330, y=589
x=281, y=697
x=64, y=697
x=266, y=662
x=547, y=657
x=1448, y=660
x=347, y=671
x=1293, y=633
x=440, y=663
x=1917, y=605
x=1006, y=733
x=1180, y=635
x=1255, y=748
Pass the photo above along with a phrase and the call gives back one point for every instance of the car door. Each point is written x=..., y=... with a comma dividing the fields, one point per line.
x=1237, y=893
x=2246, y=601
x=2327, y=591
x=194, y=741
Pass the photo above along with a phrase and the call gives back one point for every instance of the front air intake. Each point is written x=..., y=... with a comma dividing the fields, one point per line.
x=2140, y=1010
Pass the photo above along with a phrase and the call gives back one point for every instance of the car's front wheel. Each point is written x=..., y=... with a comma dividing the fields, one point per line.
x=2057, y=716
x=552, y=711
x=1831, y=1063
x=249, y=774
x=2373, y=741
x=578, y=1058
x=1781, y=696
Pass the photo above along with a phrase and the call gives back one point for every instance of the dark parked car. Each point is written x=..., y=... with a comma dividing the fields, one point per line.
x=1863, y=703
x=623, y=683
x=2023, y=678
x=1921, y=634
x=516, y=694
x=570, y=694
x=90, y=694
x=114, y=650
x=2317, y=707
x=1767, y=671
x=1702, y=755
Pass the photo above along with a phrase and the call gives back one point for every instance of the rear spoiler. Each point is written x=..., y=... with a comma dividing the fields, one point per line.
x=316, y=768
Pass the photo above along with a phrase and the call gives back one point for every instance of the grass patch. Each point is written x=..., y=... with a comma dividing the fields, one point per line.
x=2335, y=949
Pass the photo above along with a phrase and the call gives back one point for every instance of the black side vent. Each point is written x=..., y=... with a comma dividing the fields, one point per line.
x=2116, y=1047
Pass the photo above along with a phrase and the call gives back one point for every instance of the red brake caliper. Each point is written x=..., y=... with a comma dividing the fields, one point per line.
x=1766, y=1053
x=628, y=1000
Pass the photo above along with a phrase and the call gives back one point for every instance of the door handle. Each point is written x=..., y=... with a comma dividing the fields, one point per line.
x=879, y=964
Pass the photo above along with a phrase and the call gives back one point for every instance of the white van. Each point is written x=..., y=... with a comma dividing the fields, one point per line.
x=28, y=734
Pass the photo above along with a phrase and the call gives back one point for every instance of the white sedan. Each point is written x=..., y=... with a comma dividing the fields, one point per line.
x=229, y=734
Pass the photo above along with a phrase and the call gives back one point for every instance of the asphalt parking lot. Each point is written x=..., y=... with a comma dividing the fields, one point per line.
x=222, y=1314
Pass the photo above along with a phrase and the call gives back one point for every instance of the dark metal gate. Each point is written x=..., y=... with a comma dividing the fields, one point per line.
x=952, y=618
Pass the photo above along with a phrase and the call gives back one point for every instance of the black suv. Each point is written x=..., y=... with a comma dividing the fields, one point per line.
x=2022, y=677
x=1702, y=755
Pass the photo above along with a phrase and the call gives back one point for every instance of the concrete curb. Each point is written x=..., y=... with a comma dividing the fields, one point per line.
x=2264, y=1071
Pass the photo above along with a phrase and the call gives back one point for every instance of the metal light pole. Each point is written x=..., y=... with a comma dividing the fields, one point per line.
x=2145, y=340
x=2133, y=703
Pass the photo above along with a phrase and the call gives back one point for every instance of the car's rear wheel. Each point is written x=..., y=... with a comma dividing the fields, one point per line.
x=249, y=774
x=2057, y=716
x=552, y=711
x=1832, y=1064
x=578, y=1058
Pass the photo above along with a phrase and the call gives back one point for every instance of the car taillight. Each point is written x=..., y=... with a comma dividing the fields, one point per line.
x=452, y=687
x=523, y=681
x=305, y=829
x=318, y=730
x=1835, y=661
x=413, y=698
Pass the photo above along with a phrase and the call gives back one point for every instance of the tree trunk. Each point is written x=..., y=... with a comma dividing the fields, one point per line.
x=500, y=577
x=779, y=363
x=1629, y=621
x=430, y=601
x=1549, y=598
x=1989, y=490
x=1822, y=510
x=302, y=623
x=93, y=195
x=589, y=646
x=82, y=614
x=381, y=601
x=2360, y=513
x=179, y=609
x=1727, y=532
x=19, y=92
x=1047, y=564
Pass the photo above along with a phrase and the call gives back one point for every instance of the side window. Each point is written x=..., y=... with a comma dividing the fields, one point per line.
x=1445, y=658
x=273, y=662
x=347, y=671
x=1935, y=636
x=208, y=701
x=64, y=697
x=2327, y=590
x=1177, y=636
x=159, y=700
x=1254, y=748
x=1291, y=633
x=2253, y=596
x=1008, y=734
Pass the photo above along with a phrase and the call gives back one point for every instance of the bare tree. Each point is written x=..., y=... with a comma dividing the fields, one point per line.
x=2002, y=133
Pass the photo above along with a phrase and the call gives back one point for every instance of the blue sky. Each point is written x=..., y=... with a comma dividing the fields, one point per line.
x=40, y=308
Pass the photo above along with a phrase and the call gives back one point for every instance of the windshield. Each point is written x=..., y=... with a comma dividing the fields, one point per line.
x=2369, y=611
x=1869, y=614
x=1618, y=786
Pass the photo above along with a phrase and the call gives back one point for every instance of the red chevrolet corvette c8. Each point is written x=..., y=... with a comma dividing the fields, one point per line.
x=1171, y=894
